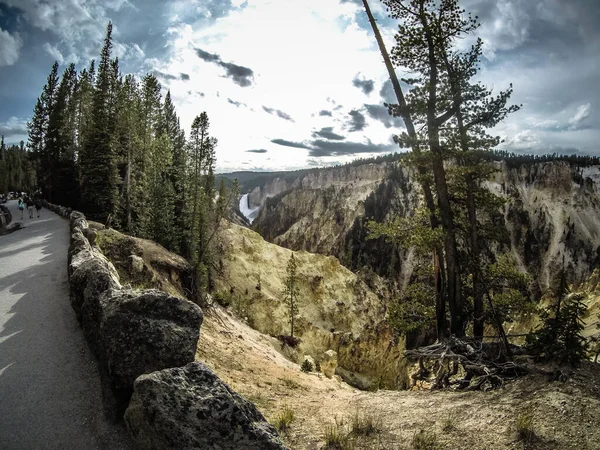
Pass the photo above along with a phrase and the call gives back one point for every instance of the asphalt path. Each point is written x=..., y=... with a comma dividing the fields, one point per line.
x=50, y=394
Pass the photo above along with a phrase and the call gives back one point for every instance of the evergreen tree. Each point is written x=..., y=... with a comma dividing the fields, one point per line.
x=291, y=292
x=178, y=170
x=99, y=190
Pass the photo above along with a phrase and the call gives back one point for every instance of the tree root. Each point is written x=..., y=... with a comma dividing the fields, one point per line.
x=485, y=365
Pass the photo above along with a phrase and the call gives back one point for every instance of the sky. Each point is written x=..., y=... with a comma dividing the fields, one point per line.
x=291, y=84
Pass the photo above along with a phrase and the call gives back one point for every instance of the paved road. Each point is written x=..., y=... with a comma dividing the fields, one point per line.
x=50, y=396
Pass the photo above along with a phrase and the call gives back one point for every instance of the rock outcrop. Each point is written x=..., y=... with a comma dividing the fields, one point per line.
x=191, y=408
x=141, y=333
x=136, y=333
x=132, y=333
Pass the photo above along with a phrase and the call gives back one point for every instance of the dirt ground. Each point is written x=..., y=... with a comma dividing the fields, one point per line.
x=564, y=415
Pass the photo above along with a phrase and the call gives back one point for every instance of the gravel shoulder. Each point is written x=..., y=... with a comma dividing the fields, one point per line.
x=50, y=394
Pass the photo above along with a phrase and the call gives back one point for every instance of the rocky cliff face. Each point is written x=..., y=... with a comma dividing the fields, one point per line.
x=552, y=210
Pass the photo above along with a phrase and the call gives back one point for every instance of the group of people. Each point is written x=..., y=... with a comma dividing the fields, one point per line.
x=29, y=204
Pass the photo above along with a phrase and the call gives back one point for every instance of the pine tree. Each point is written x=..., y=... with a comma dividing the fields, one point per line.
x=291, y=292
x=60, y=147
x=178, y=170
x=99, y=190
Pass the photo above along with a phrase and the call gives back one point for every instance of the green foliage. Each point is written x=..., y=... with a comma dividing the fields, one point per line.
x=284, y=419
x=307, y=366
x=524, y=425
x=291, y=292
x=560, y=336
x=425, y=440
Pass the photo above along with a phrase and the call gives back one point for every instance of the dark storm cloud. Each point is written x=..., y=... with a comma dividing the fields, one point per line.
x=324, y=112
x=357, y=121
x=240, y=75
x=184, y=76
x=366, y=86
x=290, y=144
x=380, y=112
x=278, y=113
x=327, y=133
x=322, y=148
x=260, y=150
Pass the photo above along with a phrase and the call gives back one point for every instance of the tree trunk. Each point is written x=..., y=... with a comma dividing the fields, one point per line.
x=440, y=278
x=457, y=320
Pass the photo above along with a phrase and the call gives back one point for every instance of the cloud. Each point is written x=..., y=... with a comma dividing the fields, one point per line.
x=327, y=148
x=320, y=148
x=327, y=133
x=54, y=52
x=165, y=76
x=184, y=76
x=235, y=103
x=278, y=113
x=286, y=143
x=380, y=113
x=11, y=46
x=324, y=112
x=357, y=121
x=366, y=86
x=582, y=113
x=14, y=127
x=240, y=75
x=261, y=150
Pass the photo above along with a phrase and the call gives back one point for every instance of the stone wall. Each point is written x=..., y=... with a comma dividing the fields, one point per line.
x=145, y=342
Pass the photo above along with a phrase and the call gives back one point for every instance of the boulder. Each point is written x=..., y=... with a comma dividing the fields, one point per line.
x=329, y=363
x=89, y=268
x=136, y=265
x=104, y=280
x=78, y=243
x=189, y=407
x=90, y=235
x=141, y=333
x=77, y=219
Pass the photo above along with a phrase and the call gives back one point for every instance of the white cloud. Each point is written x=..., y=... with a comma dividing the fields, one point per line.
x=301, y=54
x=14, y=129
x=582, y=113
x=11, y=46
x=54, y=52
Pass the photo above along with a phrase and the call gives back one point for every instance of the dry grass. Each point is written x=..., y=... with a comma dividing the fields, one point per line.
x=425, y=440
x=284, y=419
x=524, y=426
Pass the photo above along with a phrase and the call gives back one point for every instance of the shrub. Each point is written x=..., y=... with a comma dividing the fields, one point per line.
x=284, y=419
x=336, y=438
x=365, y=424
x=222, y=298
x=449, y=424
x=425, y=440
x=306, y=366
x=524, y=425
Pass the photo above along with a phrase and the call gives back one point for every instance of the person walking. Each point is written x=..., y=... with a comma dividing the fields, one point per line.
x=38, y=205
x=21, y=206
x=29, y=204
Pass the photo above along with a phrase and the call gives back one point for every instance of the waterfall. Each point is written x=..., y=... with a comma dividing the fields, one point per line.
x=247, y=212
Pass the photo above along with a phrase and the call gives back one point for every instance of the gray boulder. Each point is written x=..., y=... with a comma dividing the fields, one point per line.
x=104, y=281
x=90, y=271
x=78, y=243
x=189, y=407
x=77, y=219
x=141, y=333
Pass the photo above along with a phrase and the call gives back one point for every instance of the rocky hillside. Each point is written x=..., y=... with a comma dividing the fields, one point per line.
x=559, y=415
x=551, y=211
